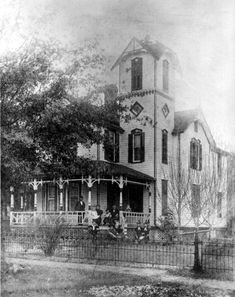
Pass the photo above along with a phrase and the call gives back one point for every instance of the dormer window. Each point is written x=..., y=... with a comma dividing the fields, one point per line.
x=136, y=149
x=136, y=74
x=165, y=76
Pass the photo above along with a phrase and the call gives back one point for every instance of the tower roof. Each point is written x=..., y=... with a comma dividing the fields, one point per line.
x=155, y=48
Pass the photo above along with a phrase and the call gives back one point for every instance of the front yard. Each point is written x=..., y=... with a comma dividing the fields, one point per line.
x=45, y=278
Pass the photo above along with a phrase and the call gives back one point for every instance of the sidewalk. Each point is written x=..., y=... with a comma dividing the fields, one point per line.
x=154, y=273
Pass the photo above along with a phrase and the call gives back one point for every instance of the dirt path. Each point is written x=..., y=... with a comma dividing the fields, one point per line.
x=152, y=273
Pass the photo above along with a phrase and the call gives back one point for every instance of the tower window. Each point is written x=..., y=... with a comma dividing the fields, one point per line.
x=165, y=76
x=136, y=74
x=164, y=146
x=136, y=149
x=195, y=154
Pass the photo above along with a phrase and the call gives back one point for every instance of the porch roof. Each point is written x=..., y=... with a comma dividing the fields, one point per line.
x=114, y=169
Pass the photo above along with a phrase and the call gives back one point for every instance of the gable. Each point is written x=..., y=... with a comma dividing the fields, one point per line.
x=156, y=49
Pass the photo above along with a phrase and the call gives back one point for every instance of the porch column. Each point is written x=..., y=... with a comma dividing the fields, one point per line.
x=66, y=198
x=21, y=200
x=89, y=184
x=35, y=185
x=12, y=197
x=61, y=186
x=121, y=185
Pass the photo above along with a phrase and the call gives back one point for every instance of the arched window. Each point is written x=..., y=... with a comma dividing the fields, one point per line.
x=136, y=74
x=164, y=146
x=195, y=154
x=165, y=75
x=136, y=149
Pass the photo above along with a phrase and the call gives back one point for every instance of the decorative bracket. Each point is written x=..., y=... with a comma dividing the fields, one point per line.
x=35, y=184
x=121, y=182
x=61, y=183
x=90, y=181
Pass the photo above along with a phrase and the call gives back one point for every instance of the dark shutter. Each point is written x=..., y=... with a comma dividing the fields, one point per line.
x=164, y=146
x=200, y=156
x=164, y=197
x=130, y=148
x=116, y=147
x=142, y=147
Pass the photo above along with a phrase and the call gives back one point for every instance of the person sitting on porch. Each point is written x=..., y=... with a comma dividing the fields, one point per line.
x=146, y=231
x=99, y=214
x=107, y=217
x=80, y=206
x=138, y=232
x=114, y=215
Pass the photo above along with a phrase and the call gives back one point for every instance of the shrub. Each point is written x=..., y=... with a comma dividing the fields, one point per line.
x=48, y=233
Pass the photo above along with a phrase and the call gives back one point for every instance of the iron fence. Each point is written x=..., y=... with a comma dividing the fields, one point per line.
x=214, y=256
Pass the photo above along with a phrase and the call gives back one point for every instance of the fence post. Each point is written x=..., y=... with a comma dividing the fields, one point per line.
x=197, y=263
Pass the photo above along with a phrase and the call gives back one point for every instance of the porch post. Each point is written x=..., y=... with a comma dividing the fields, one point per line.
x=89, y=184
x=21, y=201
x=66, y=198
x=121, y=184
x=61, y=193
x=12, y=197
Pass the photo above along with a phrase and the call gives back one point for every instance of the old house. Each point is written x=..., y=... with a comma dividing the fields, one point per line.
x=143, y=156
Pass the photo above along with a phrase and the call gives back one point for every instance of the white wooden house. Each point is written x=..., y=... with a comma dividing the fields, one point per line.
x=136, y=169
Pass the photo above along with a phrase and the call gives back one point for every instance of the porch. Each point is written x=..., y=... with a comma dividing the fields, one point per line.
x=128, y=189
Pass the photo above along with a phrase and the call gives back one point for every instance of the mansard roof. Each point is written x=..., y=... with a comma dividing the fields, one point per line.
x=184, y=118
x=155, y=48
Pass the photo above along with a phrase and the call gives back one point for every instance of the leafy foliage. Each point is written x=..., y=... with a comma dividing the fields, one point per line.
x=50, y=102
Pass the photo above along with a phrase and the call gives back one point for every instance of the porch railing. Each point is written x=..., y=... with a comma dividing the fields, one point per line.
x=70, y=217
x=24, y=218
x=131, y=218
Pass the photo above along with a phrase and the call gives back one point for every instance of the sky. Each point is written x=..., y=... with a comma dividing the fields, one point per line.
x=200, y=32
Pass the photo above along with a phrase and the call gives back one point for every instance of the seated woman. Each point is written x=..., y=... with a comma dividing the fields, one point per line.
x=99, y=212
x=107, y=217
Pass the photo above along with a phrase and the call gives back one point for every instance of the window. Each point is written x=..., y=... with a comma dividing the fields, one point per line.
x=219, y=164
x=136, y=74
x=164, y=146
x=136, y=108
x=219, y=205
x=51, y=197
x=195, y=154
x=164, y=197
x=196, y=201
x=196, y=126
x=136, y=149
x=165, y=67
x=111, y=146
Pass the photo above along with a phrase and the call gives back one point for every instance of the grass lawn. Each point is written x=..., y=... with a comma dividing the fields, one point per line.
x=34, y=281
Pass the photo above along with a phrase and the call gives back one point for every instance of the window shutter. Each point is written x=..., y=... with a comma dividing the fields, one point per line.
x=142, y=147
x=130, y=148
x=200, y=156
x=116, y=147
